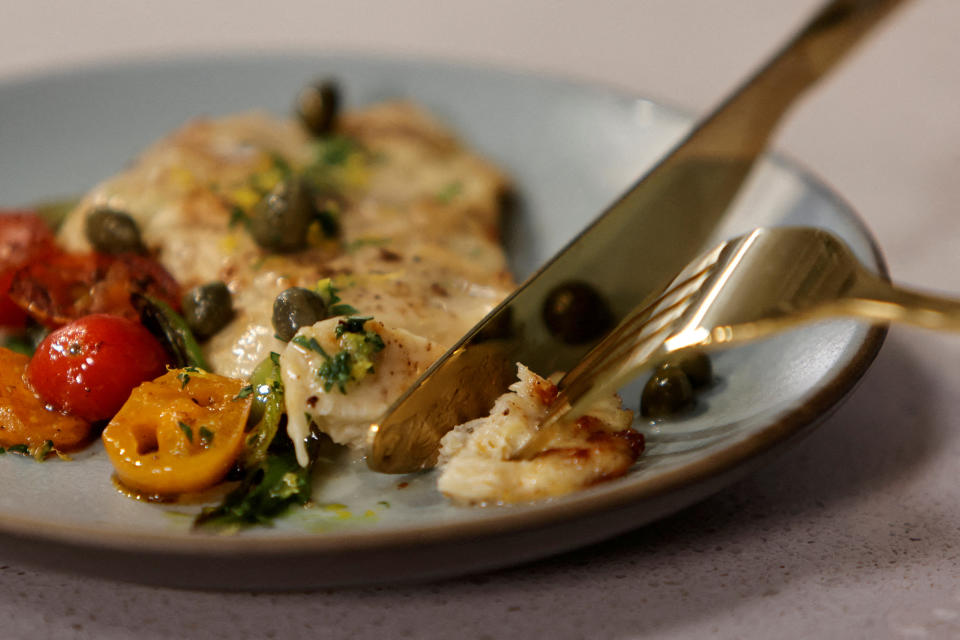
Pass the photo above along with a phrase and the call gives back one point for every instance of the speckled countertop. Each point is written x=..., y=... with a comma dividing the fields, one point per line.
x=854, y=533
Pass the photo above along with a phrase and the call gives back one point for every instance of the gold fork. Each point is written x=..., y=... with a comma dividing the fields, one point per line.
x=767, y=281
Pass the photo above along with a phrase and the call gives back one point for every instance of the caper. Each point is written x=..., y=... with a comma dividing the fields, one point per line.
x=207, y=309
x=281, y=220
x=112, y=231
x=318, y=105
x=667, y=392
x=696, y=364
x=294, y=308
x=575, y=313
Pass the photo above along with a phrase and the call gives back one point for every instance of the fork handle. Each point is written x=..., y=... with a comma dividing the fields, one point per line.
x=882, y=301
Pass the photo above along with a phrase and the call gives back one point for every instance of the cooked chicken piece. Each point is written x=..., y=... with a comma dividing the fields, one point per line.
x=475, y=465
x=341, y=394
x=418, y=246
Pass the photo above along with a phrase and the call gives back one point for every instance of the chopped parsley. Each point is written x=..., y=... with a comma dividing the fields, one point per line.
x=336, y=371
x=330, y=295
x=342, y=309
x=19, y=448
x=244, y=392
x=353, y=361
x=187, y=431
x=275, y=358
x=351, y=325
x=206, y=436
x=310, y=344
x=353, y=336
x=184, y=375
x=450, y=191
x=335, y=150
x=266, y=491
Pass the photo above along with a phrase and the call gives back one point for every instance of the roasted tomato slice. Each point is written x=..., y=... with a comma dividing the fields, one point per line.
x=25, y=419
x=65, y=286
x=88, y=367
x=24, y=236
x=179, y=433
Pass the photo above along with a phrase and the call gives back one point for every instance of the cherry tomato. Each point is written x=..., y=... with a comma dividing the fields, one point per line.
x=88, y=367
x=179, y=433
x=24, y=236
x=64, y=287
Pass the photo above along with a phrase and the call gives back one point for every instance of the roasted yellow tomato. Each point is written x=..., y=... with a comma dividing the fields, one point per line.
x=178, y=433
x=25, y=420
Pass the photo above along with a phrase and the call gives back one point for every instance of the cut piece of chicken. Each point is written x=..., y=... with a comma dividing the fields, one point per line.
x=475, y=465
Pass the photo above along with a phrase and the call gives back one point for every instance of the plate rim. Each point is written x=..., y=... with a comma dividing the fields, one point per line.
x=793, y=421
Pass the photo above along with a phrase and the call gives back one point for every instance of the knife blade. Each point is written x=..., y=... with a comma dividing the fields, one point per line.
x=625, y=256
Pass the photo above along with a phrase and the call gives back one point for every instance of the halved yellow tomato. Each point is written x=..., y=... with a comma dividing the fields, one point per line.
x=179, y=433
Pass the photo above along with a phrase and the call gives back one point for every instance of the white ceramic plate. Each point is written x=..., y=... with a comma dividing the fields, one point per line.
x=571, y=148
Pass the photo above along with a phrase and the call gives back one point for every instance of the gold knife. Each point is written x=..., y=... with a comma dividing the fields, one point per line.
x=629, y=253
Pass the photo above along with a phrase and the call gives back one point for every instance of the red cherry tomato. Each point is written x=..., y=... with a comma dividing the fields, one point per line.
x=88, y=367
x=66, y=286
x=24, y=236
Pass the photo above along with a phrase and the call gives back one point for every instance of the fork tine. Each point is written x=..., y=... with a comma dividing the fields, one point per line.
x=636, y=340
x=621, y=347
x=636, y=328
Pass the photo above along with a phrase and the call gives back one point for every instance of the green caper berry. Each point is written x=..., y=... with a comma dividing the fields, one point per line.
x=112, y=231
x=208, y=309
x=667, y=392
x=696, y=364
x=575, y=313
x=281, y=220
x=318, y=105
x=294, y=308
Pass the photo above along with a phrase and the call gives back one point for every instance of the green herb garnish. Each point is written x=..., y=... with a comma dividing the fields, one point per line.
x=342, y=310
x=449, y=192
x=336, y=371
x=266, y=491
x=335, y=150
x=310, y=344
x=351, y=325
x=354, y=360
x=187, y=431
x=206, y=436
x=19, y=448
x=244, y=392
x=330, y=295
x=184, y=375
